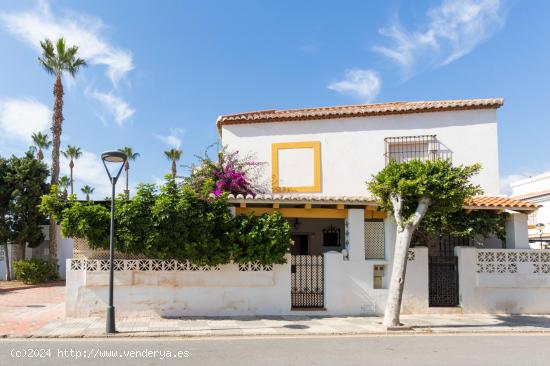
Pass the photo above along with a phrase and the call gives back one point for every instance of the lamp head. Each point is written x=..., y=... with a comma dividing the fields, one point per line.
x=115, y=159
x=540, y=226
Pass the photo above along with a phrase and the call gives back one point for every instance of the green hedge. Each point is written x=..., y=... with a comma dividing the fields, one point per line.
x=35, y=270
x=177, y=223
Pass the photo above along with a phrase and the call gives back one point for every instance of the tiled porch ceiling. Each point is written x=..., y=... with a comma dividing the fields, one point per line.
x=277, y=200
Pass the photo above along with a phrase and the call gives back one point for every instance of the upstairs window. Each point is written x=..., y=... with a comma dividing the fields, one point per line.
x=407, y=148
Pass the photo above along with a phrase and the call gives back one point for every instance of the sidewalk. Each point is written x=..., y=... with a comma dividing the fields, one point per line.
x=292, y=325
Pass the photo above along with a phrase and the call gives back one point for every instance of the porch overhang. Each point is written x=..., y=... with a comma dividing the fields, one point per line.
x=314, y=206
x=306, y=206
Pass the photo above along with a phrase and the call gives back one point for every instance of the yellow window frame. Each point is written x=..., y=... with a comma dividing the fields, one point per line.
x=316, y=146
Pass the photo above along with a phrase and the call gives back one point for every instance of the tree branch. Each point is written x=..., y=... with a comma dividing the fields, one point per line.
x=423, y=205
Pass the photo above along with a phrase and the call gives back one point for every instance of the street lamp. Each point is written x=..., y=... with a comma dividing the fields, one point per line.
x=540, y=228
x=112, y=159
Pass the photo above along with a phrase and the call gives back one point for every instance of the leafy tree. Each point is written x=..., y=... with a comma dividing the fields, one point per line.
x=58, y=60
x=410, y=191
x=41, y=142
x=72, y=153
x=27, y=180
x=87, y=190
x=131, y=156
x=174, y=156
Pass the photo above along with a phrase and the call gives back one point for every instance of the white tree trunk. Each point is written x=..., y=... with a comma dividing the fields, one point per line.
x=405, y=230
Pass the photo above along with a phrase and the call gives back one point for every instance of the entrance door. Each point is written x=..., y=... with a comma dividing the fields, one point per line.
x=301, y=244
x=443, y=279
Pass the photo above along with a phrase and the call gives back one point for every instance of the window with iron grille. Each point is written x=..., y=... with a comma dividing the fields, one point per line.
x=406, y=148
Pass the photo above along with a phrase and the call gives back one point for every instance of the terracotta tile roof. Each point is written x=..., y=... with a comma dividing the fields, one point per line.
x=357, y=110
x=531, y=195
x=499, y=202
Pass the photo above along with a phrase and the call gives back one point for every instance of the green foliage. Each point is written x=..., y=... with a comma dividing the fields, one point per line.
x=264, y=238
x=35, y=270
x=89, y=221
x=462, y=224
x=187, y=226
x=447, y=186
x=26, y=180
x=175, y=223
x=134, y=221
x=53, y=203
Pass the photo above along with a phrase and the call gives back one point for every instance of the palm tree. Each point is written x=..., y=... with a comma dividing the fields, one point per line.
x=41, y=142
x=56, y=61
x=173, y=155
x=87, y=190
x=72, y=153
x=64, y=183
x=130, y=155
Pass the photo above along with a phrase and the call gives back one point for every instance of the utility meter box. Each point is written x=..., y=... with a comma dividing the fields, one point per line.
x=378, y=275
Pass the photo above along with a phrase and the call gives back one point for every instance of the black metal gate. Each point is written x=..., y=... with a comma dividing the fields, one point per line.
x=443, y=272
x=307, y=281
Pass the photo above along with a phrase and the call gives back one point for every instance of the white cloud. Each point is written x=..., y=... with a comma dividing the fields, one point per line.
x=20, y=118
x=115, y=106
x=33, y=25
x=173, y=139
x=362, y=84
x=455, y=28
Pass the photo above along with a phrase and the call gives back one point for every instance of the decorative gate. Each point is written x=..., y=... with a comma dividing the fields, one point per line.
x=307, y=281
x=443, y=280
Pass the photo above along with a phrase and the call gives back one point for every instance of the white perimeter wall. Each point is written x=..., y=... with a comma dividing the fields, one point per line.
x=504, y=281
x=353, y=149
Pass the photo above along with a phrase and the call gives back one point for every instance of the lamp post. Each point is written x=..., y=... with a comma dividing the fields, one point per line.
x=113, y=158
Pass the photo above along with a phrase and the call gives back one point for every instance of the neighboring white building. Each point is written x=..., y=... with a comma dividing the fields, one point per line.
x=318, y=163
x=537, y=190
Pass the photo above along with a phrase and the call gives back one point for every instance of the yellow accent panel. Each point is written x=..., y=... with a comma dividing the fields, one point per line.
x=313, y=213
x=370, y=214
x=316, y=146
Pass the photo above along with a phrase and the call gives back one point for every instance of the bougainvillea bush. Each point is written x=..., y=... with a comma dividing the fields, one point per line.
x=229, y=173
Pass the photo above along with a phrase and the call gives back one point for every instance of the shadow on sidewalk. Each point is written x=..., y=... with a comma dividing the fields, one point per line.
x=501, y=321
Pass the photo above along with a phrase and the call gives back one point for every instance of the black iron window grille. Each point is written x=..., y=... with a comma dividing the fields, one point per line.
x=406, y=148
x=331, y=237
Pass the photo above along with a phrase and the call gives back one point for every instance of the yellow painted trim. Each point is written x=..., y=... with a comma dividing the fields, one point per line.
x=316, y=146
x=275, y=205
x=340, y=206
x=370, y=214
x=243, y=204
x=307, y=206
x=313, y=213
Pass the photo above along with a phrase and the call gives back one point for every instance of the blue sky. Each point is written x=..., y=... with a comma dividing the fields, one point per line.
x=160, y=72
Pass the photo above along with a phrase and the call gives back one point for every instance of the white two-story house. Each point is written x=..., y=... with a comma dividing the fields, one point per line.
x=318, y=163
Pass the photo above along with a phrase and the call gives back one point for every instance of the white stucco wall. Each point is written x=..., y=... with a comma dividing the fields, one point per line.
x=499, y=289
x=228, y=292
x=353, y=149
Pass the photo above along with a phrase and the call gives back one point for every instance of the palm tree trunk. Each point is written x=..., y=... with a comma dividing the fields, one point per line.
x=7, y=260
x=174, y=169
x=71, y=165
x=127, y=168
x=57, y=122
x=40, y=155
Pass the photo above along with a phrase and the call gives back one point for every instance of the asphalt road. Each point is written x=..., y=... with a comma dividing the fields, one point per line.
x=402, y=350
